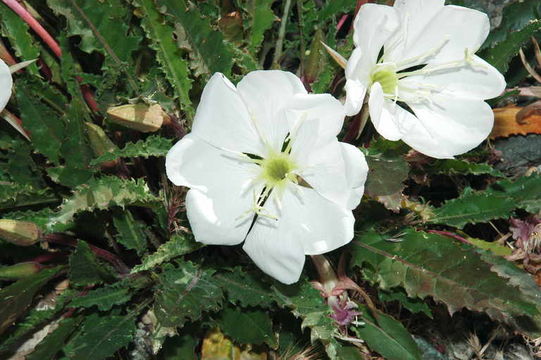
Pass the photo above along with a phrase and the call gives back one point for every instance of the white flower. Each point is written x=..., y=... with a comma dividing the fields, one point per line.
x=267, y=150
x=427, y=62
x=6, y=82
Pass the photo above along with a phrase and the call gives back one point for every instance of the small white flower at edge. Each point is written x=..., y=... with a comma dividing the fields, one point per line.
x=421, y=53
x=6, y=83
x=264, y=166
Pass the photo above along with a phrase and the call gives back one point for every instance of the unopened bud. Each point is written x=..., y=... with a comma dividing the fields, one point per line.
x=141, y=117
x=19, y=271
x=23, y=233
x=99, y=141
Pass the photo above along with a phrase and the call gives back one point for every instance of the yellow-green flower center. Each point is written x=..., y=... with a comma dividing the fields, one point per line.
x=277, y=169
x=387, y=77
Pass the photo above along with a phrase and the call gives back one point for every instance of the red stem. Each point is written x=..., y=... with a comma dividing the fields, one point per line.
x=6, y=55
x=99, y=252
x=450, y=235
x=35, y=25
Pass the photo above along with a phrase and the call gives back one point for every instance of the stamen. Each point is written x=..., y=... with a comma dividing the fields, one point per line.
x=420, y=58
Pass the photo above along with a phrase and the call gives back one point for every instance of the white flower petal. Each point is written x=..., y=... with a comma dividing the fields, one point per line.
x=477, y=81
x=355, y=93
x=383, y=115
x=323, y=108
x=356, y=173
x=221, y=113
x=449, y=126
x=452, y=30
x=308, y=224
x=6, y=83
x=266, y=95
x=221, y=190
x=373, y=26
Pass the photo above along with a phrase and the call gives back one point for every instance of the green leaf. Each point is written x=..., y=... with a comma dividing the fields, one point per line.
x=432, y=265
x=414, y=305
x=184, y=293
x=101, y=336
x=84, y=267
x=306, y=303
x=494, y=247
x=387, y=336
x=335, y=7
x=54, y=342
x=17, y=297
x=462, y=167
x=261, y=19
x=46, y=127
x=386, y=174
x=503, y=52
x=103, y=27
x=130, y=232
x=13, y=195
x=17, y=31
x=245, y=289
x=103, y=298
x=154, y=145
x=177, y=246
x=207, y=44
x=104, y=193
x=496, y=202
x=248, y=327
x=168, y=54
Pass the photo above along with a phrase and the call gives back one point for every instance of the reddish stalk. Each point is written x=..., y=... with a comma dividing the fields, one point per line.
x=450, y=235
x=35, y=25
x=6, y=55
x=99, y=252
x=53, y=45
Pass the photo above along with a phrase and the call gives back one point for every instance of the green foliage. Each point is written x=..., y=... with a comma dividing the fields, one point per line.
x=496, y=202
x=17, y=297
x=386, y=175
x=100, y=336
x=184, y=293
x=168, y=53
x=103, y=298
x=261, y=19
x=245, y=289
x=130, y=232
x=176, y=246
x=387, y=336
x=151, y=146
x=196, y=35
x=54, y=342
x=84, y=266
x=248, y=327
x=432, y=265
x=462, y=167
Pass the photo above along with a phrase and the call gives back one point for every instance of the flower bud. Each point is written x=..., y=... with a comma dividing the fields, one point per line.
x=23, y=233
x=141, y=117
x=19, y=271
x=100, y=143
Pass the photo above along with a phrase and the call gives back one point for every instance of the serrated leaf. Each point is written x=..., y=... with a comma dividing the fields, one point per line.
x=496, y=202
x=103, y=298
x=261, y=19
x=176, y=246
x=335, y=7
x=248, y=327
x=84, y=267
x=104, y=193
x=17, y=31
x=432, y=265
x=306, y=303
x=103, y=27
x=184, y=293
x=501, y=54
x=154, y=145
x=168, y=54
x=101, y=336
x=462, y=167
x=207, y=44
x=17, y=297
x=414, y=305
x=387, y=336
x=130, y=232
x=386, y=174
x=244, y=289
x=46, y=127
x=14, y=195
x=54, y=342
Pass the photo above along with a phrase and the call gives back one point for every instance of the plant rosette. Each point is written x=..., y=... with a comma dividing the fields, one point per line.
x=264, y=166
x=426, y=87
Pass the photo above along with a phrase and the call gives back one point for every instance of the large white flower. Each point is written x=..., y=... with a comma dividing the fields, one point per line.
x=421, y=53
x=264, y=166
x=6, y=83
